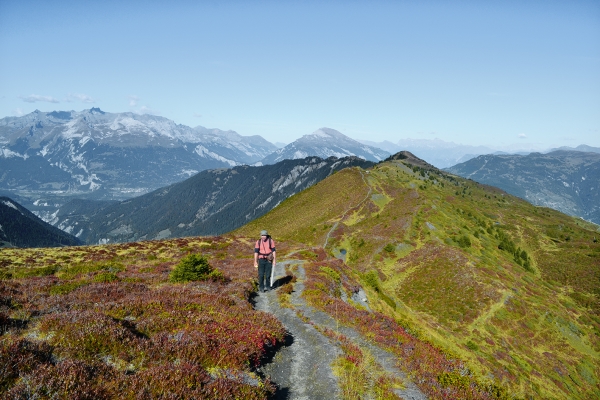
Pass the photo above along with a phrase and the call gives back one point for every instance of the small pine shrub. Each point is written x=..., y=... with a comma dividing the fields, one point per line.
x=194, y=267
x=472, y=346
x=106, y=277
x=372, y=280
x=389, y=248
x=464, y=242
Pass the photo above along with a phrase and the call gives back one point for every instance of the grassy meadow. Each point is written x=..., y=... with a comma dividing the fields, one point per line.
x=501, y=296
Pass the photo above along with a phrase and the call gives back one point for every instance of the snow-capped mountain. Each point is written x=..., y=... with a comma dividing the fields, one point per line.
x=102, y=155
x=324, y=143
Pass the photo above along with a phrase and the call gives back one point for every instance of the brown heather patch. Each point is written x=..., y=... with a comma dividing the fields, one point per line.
x=139, y=336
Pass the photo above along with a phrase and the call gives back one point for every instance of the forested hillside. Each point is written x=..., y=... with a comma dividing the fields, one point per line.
x=20, y=228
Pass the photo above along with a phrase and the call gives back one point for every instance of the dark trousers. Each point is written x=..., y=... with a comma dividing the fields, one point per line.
x=264, y=273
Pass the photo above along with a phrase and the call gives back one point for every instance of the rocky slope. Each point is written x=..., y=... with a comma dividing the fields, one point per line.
x=568, y=181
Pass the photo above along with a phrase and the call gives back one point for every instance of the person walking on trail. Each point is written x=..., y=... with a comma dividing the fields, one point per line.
x=264, y=260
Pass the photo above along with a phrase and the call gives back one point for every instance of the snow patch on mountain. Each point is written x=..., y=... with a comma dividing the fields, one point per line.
x=204, y=152
x=11, y=205
x=9, y=153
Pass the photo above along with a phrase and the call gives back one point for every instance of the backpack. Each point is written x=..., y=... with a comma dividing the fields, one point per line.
x=270, y=254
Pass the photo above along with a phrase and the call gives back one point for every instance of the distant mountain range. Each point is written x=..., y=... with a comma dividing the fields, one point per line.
x=581, y=147
x=568, y=181
x=20, y=228
x=209, y=203
x=324, y=143
x=102, y=155
x=50, y=158
x=437, y=152
x=444, y=154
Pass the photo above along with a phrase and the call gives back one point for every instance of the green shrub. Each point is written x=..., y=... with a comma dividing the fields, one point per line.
x=453, y=379
x=194, y=267
x=389, y=247
x=372, y=280
x=88, y=268
x=331, y=273
x=65, y=288
x=28, y=272
x=472, y=346
x=464, y=241
x=106, y=277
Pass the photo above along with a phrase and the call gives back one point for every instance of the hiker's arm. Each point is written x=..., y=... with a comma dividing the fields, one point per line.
x=255, y=258
x=274, y=256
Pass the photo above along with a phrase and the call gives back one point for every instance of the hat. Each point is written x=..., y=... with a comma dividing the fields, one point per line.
x=264, y=233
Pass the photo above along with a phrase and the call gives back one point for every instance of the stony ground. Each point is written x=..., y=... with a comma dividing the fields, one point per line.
x=302, y=368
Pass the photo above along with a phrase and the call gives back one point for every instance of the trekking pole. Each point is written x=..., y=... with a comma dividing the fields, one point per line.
x=272, y=274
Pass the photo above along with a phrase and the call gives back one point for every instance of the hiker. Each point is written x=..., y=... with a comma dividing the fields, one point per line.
x=264, y=260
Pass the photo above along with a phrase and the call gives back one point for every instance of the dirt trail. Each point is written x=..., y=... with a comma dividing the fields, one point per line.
x=302, y=368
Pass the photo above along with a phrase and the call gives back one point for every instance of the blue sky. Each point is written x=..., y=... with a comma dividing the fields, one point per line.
x=471, y=72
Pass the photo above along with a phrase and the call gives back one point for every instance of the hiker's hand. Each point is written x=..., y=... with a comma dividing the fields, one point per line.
x=255, y=265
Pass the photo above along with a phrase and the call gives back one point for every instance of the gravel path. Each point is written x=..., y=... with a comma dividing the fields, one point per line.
x=302, y=369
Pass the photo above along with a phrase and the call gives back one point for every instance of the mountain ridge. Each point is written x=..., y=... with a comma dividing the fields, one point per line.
x=21, y=228
x=565, y=180
x=463, y=264
x=108, y=155
x=209, y=203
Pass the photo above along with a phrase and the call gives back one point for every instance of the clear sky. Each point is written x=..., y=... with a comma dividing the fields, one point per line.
x=473, y=72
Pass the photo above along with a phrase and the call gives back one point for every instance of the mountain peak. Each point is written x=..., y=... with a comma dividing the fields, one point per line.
x=410, y=158
x=324, y=143
x=327, y=133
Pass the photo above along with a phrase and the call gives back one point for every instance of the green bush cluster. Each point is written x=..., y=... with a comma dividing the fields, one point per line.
x=106, y=277
x=331, y=273
x=372, y=280
x=65, y=288
x=454, y=379
x=520, y=256
x=25, y=272
x=464, y=241
x=194, y=267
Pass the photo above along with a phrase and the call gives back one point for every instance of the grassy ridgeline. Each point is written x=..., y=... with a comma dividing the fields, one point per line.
x=508, y=287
